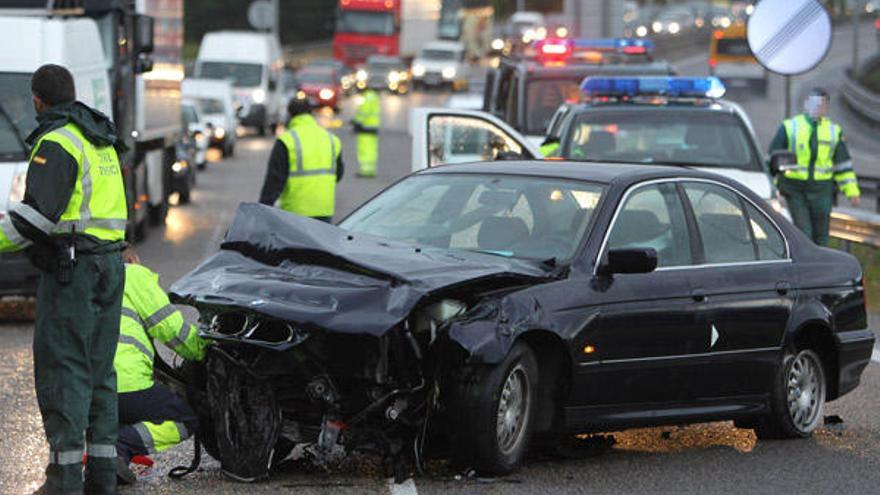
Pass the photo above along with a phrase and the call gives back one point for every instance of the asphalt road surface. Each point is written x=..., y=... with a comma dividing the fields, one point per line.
x=708, y=459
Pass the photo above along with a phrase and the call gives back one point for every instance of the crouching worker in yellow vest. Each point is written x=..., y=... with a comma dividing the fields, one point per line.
x=304, y=166
x=152, y=418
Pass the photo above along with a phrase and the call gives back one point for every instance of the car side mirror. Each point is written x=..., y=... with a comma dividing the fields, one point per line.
x=143, y=33
x=634, y=260
x=782, y=161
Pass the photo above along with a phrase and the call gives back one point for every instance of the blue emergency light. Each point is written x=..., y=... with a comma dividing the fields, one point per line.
x=673, y=87
x=622, y=45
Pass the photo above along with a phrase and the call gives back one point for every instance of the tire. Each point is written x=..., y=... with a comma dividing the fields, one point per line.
x=496, y=411
x=802, y=377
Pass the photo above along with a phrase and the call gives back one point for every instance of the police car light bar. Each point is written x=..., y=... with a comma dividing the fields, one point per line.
x=627, y=46
x=673, y=87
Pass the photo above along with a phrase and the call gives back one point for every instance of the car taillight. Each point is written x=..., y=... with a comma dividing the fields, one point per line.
x=713, y=62
x=718, y=34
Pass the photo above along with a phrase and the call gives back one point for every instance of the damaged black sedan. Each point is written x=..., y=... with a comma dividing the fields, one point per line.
x=475, y=310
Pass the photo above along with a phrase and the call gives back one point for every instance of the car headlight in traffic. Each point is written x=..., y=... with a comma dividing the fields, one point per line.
x=258, y=96
x=724, y=22
x=673, y=28
x=199, y=137
x=498, y=44
x=301, y=95
x=178, y=166
x=361, y=75
x=448, y=72
x=561, y=32
x=326, y=94
x=16, y=192
x=219, y=132
x=541, y=33
x=393, y=76
x=657, y=26
x=418, y=70
x=641, y=31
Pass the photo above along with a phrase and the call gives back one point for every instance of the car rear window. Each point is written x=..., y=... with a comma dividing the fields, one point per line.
x=733, y=47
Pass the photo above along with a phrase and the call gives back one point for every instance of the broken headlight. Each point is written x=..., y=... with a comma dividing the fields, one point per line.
x=435, y=314
x=254, y=329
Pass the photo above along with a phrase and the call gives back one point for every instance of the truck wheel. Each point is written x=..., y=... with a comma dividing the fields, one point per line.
x=798, y=397
x=497, y=410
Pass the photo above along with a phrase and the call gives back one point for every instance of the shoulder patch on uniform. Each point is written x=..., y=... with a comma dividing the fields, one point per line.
x=39, y=160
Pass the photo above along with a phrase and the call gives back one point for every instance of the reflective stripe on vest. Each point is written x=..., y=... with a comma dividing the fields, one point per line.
x=311, y=183
x=98, y=172
x=798, y=131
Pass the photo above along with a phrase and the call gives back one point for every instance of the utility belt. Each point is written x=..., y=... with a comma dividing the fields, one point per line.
x=58, y=255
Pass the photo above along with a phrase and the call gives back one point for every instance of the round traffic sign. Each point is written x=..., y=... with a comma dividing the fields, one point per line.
x=261, y=14
x=789, y=37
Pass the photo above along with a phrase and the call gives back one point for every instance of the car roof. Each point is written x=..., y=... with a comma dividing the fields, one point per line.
x=721, y=106
x=601, y=172
x=537, y=69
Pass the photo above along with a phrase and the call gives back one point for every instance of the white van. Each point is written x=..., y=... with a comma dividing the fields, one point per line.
x=216, y=100
x=73, y=43
x=252, y=62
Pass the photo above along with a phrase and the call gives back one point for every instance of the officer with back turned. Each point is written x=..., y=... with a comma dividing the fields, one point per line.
x=823, y=160
x=304, y=166
x=72, y=221
x=366, y=122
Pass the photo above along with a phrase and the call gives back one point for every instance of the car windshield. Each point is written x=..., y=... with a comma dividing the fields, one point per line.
x=543, y=97
x=211, y=105
x=365, y=22
x=241, y=75
x=662, y=135
x=512, y=216
x=383, y=67
x=315, y=76
x=438, y=54
x=733, y=47
x=18, y=117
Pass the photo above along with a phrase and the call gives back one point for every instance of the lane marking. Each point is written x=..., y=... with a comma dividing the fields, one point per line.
x=875, y=356
x=408, y=487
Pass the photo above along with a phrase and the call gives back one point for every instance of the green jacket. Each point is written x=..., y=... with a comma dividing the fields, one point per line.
x=53, y=178
x=147, y=314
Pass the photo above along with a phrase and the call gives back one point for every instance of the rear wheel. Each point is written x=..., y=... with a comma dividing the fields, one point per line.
x=798, y=399
x=497, y=411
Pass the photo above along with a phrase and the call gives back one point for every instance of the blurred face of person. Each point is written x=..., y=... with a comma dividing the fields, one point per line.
x=816, y=106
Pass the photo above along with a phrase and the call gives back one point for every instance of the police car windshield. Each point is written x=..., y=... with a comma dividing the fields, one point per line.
x=521, y=217
x=701, y=137
x=15, y=98
x=543, y=97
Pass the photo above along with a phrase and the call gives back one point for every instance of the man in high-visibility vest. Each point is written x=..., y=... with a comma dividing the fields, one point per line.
x=550, y=147
x=822, y=160
x=72, y=222
x=367, y=119
x=304, y=166
x=152, y=418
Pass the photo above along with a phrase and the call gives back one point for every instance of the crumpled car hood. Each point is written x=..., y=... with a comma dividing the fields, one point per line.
x=318, y=275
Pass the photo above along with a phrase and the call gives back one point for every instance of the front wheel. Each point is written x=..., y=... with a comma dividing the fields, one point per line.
x=497, y=411
x=798, y=399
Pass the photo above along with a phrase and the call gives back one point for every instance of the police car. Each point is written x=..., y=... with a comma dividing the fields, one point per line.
x=651, y=120
x=525, y=92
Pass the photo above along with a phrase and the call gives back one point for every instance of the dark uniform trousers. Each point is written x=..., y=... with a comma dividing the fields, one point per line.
x=77, y=329
x=810, y=204
x=156, y=404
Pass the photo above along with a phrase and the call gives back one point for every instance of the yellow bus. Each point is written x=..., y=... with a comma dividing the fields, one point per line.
x=731, y=60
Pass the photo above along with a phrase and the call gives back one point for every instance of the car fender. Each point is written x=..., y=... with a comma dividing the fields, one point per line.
x=810, y=314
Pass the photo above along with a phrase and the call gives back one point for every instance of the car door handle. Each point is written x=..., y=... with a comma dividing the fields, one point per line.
x=783, y=287
x=699, y=295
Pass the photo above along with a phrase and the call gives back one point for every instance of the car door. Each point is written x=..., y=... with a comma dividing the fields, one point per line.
x=745, y=280
x=442, y=135
x=649, y=324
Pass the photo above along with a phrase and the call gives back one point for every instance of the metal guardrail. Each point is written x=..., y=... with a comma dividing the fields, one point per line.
x=857, y=224
x=862, y=100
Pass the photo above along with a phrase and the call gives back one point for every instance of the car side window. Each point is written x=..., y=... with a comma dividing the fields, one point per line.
x=653, y=217
x=461, y=139
x=724, y=229
x=771, y=244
